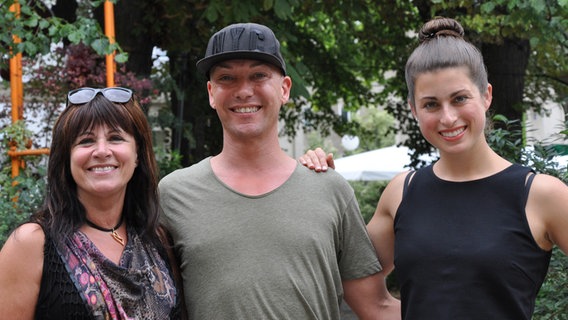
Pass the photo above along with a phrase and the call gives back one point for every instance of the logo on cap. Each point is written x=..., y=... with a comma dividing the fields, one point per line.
x=242, y=41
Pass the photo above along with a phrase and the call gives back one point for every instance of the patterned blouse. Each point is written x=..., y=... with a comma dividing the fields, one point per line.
x=79, y=282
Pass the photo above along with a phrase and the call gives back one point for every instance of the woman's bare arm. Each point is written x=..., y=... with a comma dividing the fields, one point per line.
x=21, y=265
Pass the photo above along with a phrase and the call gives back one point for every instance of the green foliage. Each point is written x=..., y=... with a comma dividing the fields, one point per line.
x=37, y=31
x=168, y=159
x=343, y=52
x=373, y=127
x=337, y=51
x=18, y=201
x=16, y=134
x=23, y=195
x=168, y=162
x=315, y=140
x=544, y=25
x=552, y=300
x=374, y=130
x=505, y=140
x=368, y=194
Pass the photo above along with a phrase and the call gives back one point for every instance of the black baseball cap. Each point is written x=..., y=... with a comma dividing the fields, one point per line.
x=242, y=41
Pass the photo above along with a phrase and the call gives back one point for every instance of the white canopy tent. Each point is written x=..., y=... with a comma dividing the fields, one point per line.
x=380, y=164
x=561, y=160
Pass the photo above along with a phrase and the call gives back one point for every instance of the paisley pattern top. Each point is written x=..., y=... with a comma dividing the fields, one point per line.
x=139, y=287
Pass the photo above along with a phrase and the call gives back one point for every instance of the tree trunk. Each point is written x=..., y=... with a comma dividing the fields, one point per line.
x=193, y=107
x=506, y=65
x=65, y=9
x=135, y=32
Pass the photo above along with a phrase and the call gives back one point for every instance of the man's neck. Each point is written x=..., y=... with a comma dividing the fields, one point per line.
x=253, y=172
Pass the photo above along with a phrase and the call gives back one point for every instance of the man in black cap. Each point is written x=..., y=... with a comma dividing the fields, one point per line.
x=259, y=235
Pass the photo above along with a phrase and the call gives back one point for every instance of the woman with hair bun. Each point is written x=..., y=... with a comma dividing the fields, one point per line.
x=471, y=235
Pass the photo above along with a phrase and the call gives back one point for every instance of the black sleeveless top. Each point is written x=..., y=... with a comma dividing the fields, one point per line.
x=464, y=250
x=58, y=296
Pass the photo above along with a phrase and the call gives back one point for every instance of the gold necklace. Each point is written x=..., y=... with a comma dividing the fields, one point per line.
x=112, y=231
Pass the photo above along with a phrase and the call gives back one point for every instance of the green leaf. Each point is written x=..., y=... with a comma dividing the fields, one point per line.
x=65, y=30
x=500, y=117
x=44, y=24
x=211, y=14
x=282, y=9
x=100, y=46
x=267, y=4
x=32, y=22
x=75, y=37
x=121, y=57
x=26, y=11
x=487, y=7
x=97, y=3
x=52, y=30
x=30, y=48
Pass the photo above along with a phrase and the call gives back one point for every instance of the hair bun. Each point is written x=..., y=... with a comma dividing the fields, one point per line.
x=440, y=26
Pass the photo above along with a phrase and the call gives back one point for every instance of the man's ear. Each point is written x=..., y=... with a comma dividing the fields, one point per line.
x=286, y=87
x=210, y=92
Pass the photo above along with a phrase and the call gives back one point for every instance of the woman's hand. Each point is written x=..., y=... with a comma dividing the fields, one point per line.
x=317, y=160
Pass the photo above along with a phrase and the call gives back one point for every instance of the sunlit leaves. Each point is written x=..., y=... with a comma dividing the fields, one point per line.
x=267, y=4
x=282, y=9
x=36, y=33
x=121, y=57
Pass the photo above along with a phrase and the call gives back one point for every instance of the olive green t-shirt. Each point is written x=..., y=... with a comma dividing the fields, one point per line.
x=280, y=255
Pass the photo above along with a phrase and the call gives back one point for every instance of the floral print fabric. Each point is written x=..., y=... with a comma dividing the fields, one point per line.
x=139, y=287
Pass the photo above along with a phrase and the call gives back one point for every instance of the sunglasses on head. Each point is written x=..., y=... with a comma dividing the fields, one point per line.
x=84, y=95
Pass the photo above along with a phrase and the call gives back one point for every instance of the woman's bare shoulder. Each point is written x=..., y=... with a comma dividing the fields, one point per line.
x=21, y=262
x=24, y=240
x=28, y=231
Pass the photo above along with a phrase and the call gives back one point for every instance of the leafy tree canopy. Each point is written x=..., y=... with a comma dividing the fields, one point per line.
x=36, y=28
x=335, y=50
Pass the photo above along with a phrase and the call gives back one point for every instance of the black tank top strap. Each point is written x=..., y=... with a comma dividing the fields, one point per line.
x=530, y=177
x=407, y=181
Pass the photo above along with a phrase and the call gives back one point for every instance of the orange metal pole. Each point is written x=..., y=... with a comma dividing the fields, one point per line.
x=17, y=97
x=15, y=165
x=29, y=152
x=109, y=32
x=17, y=94
x=16, y=88
x=17, y=162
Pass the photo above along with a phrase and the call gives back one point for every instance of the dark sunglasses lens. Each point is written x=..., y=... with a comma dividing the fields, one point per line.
x=80, y=96
x=120, y=95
